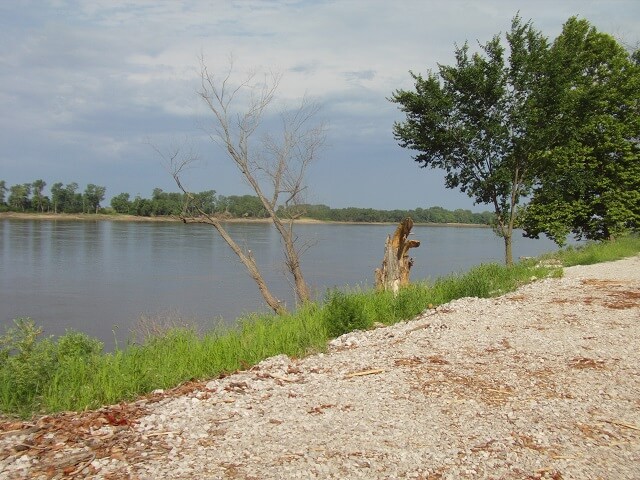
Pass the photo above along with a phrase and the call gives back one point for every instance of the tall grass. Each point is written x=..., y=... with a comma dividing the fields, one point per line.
x=73, y=373
x=598, y=252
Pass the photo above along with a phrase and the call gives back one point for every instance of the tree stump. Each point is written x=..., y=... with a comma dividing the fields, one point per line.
x=396, y=263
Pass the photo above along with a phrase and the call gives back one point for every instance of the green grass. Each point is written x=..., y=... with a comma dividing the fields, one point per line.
x=597, y=252
x=72, y=372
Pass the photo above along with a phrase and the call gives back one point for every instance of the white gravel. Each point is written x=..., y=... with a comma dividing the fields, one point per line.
x=540, y=383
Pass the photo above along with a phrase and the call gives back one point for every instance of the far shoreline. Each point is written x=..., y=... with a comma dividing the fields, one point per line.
x=169, y=219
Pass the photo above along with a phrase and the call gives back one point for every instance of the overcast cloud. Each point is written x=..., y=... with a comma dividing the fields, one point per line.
x=85, y=86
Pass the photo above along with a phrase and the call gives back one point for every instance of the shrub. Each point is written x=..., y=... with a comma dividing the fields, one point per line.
x=76, y=344
x=26, y=364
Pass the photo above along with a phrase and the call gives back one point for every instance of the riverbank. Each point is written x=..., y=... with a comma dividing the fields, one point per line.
x=72, y=372
x=539, y=383
x=44, y=374
x=134, y=218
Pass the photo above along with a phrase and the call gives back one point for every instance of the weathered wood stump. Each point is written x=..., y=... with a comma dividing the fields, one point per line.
x=396, y=263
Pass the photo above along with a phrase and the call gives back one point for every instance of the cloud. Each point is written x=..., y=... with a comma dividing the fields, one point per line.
x=92, y=79
x=360, y=75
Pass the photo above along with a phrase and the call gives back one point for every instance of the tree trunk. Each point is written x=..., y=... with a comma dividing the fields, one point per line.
x=508, y=248
x=396, y=263
x=292, y=258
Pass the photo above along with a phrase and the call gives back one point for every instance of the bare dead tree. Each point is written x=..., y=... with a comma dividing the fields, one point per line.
x=274, y=166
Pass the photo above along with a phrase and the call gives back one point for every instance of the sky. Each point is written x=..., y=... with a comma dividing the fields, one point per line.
x=92, y=90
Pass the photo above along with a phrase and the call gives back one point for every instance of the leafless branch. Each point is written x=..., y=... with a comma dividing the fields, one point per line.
x=278, y=167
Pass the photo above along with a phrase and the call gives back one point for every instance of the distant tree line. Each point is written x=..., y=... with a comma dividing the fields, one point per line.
x=164, y=203
x=30, y=197
x=419, y=215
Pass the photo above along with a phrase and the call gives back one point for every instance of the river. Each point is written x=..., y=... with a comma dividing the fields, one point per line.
x=103, y=277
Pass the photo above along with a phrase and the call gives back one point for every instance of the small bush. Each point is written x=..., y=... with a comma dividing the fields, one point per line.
x=26, y=365
x=78, y=345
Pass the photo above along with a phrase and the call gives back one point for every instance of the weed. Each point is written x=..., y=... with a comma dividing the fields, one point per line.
x=26, y=365
x=344, y=313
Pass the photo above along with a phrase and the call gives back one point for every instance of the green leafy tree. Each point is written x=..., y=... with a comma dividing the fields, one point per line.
x=440, y=215
x=120, y=203
x=38, y=198
x=246, y=206
x=143, y=207
x=164, y=203
x=19, y=197
x=206, y=201
x=3, y=192
x=57, y=196
x=474, y=121
x=64, y=198
x=159, y=204
x=45, y=204
x=92, y=197
x=589, y=182
x=72, y=201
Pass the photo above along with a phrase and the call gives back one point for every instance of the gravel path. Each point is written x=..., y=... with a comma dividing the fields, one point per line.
x=540, y=383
